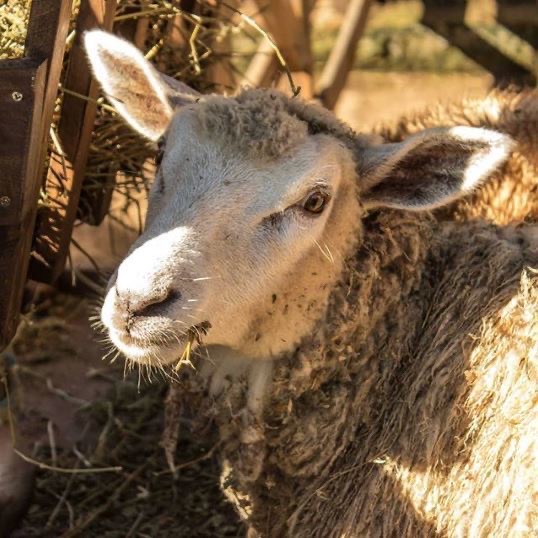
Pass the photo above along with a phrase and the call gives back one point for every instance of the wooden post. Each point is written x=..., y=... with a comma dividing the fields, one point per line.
x=336, y=70
x=66, y=171
x=288, y=23
x=262, y=68
x=288, y=32
x=28, y=90
x=22, y=89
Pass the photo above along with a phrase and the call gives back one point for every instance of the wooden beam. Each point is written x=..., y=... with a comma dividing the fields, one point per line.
x=67, y=168
x=340, y=62
x=262, y=68
x=451, y=23
x=287, y=29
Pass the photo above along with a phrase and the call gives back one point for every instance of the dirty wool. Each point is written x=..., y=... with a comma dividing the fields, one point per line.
x=410, y=410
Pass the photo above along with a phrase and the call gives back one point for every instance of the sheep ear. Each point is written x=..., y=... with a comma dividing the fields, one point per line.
x=145, y=98
x=432, y=168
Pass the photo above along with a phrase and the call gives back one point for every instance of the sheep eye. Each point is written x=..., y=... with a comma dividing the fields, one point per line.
x=315, y=202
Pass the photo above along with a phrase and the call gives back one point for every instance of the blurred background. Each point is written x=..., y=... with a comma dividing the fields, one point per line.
x=73, y=196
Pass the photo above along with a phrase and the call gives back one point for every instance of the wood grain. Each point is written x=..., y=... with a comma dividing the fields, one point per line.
x=20, y=132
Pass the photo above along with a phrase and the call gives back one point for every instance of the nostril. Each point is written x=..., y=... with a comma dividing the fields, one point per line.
x=155, y=305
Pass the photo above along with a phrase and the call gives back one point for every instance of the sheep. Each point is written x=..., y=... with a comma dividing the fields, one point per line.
x=370, y=367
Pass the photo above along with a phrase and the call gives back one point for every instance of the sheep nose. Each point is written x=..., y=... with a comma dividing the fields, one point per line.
x=146, y=305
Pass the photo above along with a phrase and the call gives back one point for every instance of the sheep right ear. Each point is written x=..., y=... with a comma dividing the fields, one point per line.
x=141, y=95
x=431, y=168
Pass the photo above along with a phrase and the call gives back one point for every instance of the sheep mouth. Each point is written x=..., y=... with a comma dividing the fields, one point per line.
x=162, y=350
x=195, y=333
x=144, y=338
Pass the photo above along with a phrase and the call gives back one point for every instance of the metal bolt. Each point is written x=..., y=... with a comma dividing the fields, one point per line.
x=16, y=96
x=5, y=201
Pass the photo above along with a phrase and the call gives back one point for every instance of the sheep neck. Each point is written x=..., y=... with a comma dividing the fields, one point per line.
x=373, y=312
x=340, y=373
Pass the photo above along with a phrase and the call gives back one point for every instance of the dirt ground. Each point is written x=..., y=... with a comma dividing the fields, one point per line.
x=81, y=413
x=100, y=430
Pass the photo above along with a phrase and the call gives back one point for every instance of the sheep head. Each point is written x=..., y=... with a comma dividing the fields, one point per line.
x=257, y=202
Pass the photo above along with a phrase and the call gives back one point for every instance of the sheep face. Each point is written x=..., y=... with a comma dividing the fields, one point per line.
x=224, y=232
x=257, y=202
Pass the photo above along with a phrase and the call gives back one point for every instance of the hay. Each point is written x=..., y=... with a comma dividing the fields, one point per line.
x=14, y=15
x=144, y=498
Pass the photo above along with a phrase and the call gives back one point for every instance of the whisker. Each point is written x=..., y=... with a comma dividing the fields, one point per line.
x=323, y=252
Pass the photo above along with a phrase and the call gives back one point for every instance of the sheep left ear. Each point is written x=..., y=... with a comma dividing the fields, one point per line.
x=144, y=97
x=430, y=169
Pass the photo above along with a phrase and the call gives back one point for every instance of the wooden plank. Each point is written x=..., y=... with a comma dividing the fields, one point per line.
x=288, y=32
x=20, y=132
x=46, y=39
x=450, y=23
x=336, y=70
x=262, y=68
x=78, y=113
x=66, y=172
x=521, y=18
x=516, y=12
x=47, y=31
x=17, y=102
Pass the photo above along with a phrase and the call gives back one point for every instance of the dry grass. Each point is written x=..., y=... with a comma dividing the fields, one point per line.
x=143, y=499
x=13, y=22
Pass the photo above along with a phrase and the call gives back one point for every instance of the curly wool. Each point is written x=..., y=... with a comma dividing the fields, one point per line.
x=268, y=123
x=398, y=410
x=410, y=410
x=254, y=122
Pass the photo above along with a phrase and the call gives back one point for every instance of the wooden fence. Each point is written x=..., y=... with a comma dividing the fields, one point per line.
x=28, y=88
